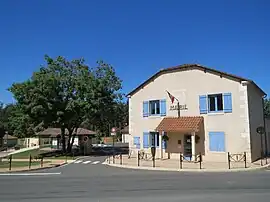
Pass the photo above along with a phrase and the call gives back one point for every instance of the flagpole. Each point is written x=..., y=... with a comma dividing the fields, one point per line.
x=178, y=108
x=178, y=105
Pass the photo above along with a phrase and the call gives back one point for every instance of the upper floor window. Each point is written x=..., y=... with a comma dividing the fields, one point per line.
x=215, y=103
x=154, y=106
x=219, y=102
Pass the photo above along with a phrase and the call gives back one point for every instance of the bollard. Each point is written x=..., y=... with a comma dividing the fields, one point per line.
x=154, y=163
x=229, y=160
x=200, y=157
x=261, y=157
x=10, y=161
x=245, y=158
x=121, y=160
x=113, y=158
x=181, y=161
x=41, y=162
x=30, y=161
x=138, y=158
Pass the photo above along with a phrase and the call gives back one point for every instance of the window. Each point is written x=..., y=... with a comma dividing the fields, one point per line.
x=154, y=106
x=154, y=139
x=215, y=103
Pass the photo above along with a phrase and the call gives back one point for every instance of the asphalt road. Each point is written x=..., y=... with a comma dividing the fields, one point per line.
x=90, y=180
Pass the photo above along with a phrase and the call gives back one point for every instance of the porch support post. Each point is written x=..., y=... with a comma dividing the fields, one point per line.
x=161, y=133
x=193, y=145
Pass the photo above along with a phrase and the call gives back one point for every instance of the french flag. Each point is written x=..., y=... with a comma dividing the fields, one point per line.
x=171, y=97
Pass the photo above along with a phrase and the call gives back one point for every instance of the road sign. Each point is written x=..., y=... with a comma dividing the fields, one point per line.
x=113, y=131
x=85, y=138
x=260, y=130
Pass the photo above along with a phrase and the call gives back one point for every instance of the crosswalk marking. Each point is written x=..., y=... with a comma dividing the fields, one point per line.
x=86, y=162
x=95, y=162
x=78, y=161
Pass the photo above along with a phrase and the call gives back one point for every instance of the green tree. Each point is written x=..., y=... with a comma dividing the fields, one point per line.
x=66, y=93
x=267, y=107
x=5, y=113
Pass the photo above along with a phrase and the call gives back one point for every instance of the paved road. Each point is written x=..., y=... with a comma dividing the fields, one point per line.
x=81, y=182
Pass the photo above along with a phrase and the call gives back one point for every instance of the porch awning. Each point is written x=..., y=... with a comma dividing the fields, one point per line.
x=180, y=124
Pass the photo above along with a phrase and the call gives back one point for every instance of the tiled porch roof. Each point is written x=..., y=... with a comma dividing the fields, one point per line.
x=181, y=124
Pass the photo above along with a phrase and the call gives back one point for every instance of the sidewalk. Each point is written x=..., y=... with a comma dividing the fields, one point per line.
x=174, y=165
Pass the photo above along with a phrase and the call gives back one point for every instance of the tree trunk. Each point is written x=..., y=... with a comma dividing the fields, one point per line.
x=73, y=137
x=70, y=131
x=63, y=139
x=72, y=140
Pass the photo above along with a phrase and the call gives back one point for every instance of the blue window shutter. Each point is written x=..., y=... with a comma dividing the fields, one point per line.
x=212, y=141
x=227, y=98
x=137, y=142
x=145, y=109
x=221, y=141
x=163, y=107
x=203, y=104
x=217, y=141
x=145, y=140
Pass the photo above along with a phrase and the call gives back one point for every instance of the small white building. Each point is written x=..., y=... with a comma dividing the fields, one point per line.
x=219, y=113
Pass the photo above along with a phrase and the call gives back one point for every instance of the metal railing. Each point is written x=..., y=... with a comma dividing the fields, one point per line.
x=240, y=157
x=190, y=159
x=9, y=163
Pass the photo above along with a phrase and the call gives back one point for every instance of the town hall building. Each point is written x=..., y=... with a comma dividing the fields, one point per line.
x=218, y=113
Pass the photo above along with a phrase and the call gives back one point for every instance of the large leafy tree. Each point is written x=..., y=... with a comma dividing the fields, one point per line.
x=267, y=107
x=65, y=94
x=5, y=113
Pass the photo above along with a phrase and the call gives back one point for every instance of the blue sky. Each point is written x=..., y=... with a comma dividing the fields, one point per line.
x=137, y=37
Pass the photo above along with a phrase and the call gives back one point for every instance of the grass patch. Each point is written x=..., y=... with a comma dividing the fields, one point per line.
x=16, y=164
x=26, y=154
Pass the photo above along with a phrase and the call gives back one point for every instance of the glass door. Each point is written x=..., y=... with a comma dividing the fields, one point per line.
x=187, y=146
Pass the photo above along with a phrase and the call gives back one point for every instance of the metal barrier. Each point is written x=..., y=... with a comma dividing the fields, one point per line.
x=119, y=156
x=242, y=157
x=9, y=162
x=5, y=162
x=190, y=159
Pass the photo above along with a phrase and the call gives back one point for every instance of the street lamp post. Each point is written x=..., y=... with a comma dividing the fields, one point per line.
x=113, y=134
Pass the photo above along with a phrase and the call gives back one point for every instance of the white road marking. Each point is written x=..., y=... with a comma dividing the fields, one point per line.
x=78, y=161
x=28, y=174
x=95, y=162
x=104, y=163
x=86, y=162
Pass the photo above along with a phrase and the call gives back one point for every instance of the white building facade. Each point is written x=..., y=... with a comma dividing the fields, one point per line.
x=219, y=113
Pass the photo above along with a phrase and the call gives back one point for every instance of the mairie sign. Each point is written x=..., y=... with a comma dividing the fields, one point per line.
x=175, y=107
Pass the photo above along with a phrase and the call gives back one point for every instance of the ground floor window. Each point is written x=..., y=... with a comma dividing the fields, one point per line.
x=154, y=139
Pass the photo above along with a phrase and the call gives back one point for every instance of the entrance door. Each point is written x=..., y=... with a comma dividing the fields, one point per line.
x=187, y=146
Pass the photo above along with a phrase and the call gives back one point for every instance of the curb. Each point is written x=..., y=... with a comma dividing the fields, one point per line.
x=49, y=167
x=265, y=167
x=35, y=169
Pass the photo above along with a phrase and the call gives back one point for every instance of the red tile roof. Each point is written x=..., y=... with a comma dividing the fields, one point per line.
x=53, y=132
x=194, y=66
x=181, y=124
